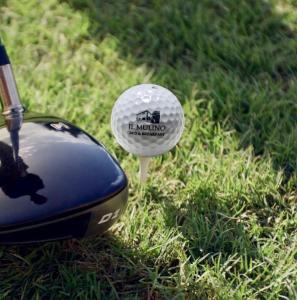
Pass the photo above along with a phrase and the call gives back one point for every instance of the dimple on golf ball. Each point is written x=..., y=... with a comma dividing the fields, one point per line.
x=147, y=120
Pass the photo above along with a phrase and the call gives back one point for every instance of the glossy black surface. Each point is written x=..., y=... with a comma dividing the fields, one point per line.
x=60, y=171
x=83, y=223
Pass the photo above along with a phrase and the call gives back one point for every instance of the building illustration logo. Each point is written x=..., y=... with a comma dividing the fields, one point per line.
x=147, y=116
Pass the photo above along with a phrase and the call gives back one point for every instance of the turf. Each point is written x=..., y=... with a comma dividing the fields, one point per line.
x=218, y=216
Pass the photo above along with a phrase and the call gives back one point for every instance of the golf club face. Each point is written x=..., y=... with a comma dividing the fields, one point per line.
x=63, y=183
x=56, y=181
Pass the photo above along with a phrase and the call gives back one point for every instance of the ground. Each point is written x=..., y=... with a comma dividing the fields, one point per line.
x=218, y=217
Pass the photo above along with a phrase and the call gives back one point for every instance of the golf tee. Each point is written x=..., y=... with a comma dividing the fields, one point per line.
x=143, y=168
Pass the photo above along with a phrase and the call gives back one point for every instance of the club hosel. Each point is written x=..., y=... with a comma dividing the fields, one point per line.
x=11, y=104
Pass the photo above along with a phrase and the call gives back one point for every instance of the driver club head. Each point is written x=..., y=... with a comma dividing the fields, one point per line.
x=56, y=181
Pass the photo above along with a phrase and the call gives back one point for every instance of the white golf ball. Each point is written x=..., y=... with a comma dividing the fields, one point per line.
x=147, y=120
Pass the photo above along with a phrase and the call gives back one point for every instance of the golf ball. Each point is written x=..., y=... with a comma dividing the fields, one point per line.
x=147, y=120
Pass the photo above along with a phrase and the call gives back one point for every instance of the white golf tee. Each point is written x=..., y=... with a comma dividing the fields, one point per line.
x=143, y=168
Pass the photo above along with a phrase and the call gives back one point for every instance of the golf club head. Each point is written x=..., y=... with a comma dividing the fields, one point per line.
x=63, y=184
x=56, y=181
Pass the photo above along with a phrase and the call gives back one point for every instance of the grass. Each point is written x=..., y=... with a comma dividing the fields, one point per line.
x=218, y=216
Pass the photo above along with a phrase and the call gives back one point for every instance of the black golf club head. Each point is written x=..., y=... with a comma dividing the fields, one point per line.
x=56, y=181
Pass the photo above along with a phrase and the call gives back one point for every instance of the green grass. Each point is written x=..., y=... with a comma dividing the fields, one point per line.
x=218, y=216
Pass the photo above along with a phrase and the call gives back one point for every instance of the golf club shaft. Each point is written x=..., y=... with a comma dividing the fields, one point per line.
x=8, y=89
x=12, y=107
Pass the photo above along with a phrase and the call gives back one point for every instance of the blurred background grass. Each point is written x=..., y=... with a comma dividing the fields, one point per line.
x=217, y=218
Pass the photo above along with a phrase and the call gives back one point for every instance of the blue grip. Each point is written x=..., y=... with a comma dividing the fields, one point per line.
x=4, y=60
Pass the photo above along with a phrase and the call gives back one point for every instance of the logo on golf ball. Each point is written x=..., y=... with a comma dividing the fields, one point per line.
x=147, y=123
x=147, y=116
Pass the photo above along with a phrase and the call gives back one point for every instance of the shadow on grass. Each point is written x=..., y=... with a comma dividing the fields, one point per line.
x=240, y=55
x=206, y=225
x=80, y=269
x=216, y=239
